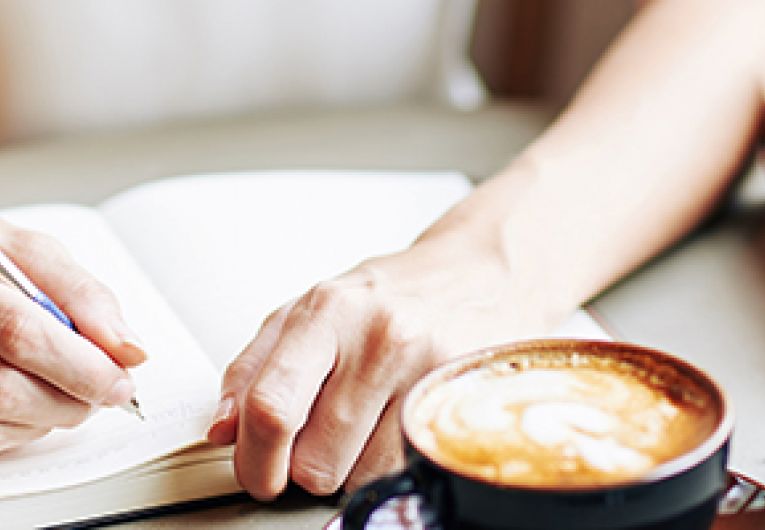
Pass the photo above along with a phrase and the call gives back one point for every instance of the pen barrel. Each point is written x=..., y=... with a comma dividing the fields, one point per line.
x=53, y=309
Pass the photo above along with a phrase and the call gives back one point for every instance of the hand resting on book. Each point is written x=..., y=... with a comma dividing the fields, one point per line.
x=316, y=395
x=49, y=376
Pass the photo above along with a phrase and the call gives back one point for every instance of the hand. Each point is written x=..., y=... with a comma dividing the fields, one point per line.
x=316, y=396
x=49, y=376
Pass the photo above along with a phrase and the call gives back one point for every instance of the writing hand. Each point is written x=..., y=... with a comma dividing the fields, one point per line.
x=49, y=376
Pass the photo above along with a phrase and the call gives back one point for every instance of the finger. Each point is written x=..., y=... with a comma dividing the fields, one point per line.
x=12, y=435
x=91, y=306
x=342, y=419
x=277, y=402
x=27, y=400
x=383, y=453
x=33, y=341
x=394, y=350
x=240, y=373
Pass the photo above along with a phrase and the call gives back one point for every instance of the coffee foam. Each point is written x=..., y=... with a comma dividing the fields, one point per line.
x=561, y=420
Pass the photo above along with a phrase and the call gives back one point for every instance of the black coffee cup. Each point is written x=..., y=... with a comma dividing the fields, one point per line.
x=680, y=494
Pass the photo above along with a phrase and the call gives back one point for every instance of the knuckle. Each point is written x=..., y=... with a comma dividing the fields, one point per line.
x=81, y=388
x=372, y=277
x=266, y=418
x=330, y=423
x=327, y=295
x=400, y=333
x=90, y=384
x=396, y=344
x=316, y=478
x=395, y=336
x=339, y=421
x=408, y=340
x=88, y=288
x=236, y=374
x=16, y=335
x=237, y=370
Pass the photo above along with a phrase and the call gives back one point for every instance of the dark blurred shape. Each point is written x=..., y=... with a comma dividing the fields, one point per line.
x=543, y=48
x=510, y=45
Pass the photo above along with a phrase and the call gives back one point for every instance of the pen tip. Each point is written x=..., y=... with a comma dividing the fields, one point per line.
x=134, y=408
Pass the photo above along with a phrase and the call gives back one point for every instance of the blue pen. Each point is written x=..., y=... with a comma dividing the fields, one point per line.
x=10, y=272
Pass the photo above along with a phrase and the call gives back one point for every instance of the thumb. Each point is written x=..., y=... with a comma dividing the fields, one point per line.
x=240, y=373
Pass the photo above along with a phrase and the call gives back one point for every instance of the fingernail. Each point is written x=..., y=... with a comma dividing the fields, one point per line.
x=130, y=346
x=120, y=393
x=133, y=351
x=225, y=410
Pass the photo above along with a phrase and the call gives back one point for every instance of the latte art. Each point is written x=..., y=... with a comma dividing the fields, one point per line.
x=587, y=422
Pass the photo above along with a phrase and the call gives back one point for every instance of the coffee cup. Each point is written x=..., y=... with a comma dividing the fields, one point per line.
x=561, y=434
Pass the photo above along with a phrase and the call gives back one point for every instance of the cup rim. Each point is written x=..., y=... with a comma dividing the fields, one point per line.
x=719, y=436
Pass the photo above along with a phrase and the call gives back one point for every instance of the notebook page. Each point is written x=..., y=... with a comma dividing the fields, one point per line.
x=177, y=387
x=227, y=249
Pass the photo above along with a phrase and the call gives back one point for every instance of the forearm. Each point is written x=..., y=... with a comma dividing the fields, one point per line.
x=644, y=150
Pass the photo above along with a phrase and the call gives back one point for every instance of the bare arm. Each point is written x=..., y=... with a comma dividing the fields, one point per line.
x=650, y=141
x=648, y=144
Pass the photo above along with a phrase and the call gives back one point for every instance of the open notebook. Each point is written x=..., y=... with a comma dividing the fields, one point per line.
x=197, y=263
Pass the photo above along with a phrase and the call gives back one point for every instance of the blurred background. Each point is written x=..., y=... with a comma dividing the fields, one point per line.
x=98, y=96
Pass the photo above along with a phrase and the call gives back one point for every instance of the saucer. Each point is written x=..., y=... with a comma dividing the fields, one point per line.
x=741, y=508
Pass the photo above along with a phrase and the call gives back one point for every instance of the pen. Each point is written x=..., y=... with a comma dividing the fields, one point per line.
x=10, y=272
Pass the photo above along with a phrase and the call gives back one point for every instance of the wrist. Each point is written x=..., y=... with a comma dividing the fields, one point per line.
x=478, y=241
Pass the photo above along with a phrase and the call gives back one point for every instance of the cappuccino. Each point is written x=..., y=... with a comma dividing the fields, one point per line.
x=561, y=418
